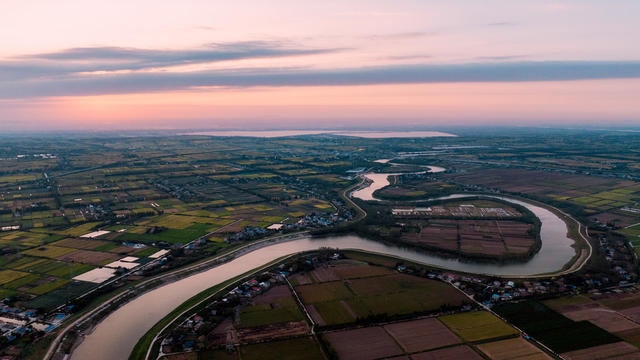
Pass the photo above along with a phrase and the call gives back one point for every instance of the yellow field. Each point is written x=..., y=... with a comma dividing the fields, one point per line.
x=49, y=251
x=477, y=325
x=10, y=275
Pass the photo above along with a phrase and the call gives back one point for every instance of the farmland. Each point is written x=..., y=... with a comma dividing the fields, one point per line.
x=476, y=326
x=165, y=198
x=595, y=195
x=327, y=291
x=490, y=238
x=359, y=292
x=558, y=332
x=94, y=201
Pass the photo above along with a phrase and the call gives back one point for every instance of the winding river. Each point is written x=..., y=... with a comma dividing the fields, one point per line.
x=117, y=334
x=378, y=181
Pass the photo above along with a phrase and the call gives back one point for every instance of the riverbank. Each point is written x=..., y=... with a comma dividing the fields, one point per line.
x=157, y=303
x=144, y=287
x=469, y=282
x=579, y=241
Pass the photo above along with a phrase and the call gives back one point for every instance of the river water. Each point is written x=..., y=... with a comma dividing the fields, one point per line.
x=117, y=334
x=378, y=181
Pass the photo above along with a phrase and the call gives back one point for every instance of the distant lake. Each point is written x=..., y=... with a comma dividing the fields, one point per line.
x=361, y=134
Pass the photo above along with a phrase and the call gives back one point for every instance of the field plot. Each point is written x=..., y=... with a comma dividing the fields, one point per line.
x=10, y=275
x=617, y=351
x=324, y=292
x=602, y=317
x=345, y=300
x=88, y=257
x=350, y=271
x=616, y=217
x=439, y=233
x=81, y=243
x=60, y=295
x=25, y=240
x=616, y=313
x=512, y=349
x=591, y=192
x=556, y=331
x=324, y=274
x=346, y=269
x=419, y=335
x=475, y=237
x=451, y=353
x=294, y=349
x=49, y=251
x=59, y=268
x=363, y=344
x=276, y=306
x=477, y=325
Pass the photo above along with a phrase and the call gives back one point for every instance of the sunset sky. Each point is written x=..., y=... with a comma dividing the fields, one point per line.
x=110, y=65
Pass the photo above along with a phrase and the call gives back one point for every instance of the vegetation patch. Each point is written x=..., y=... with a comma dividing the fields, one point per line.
x=477, y=325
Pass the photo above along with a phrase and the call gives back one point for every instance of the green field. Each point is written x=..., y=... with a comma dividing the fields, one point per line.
x=10, y=275
x=388, y=295
x=49, y=251
x=262, y=315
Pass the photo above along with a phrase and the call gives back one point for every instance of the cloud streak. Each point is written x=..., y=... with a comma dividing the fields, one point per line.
x=68, y=73
x=402, y=36
x=93, y=59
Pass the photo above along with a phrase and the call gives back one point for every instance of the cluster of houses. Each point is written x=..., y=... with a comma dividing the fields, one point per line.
x=253, y=287
x=16, y=322
x=311, y=221
x=245, y=291
x=490, y=291
x=617, y=254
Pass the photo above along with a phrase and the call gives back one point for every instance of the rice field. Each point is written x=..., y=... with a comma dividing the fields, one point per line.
x=477, y=325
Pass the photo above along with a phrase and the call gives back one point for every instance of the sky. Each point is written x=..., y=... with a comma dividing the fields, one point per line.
x=117, y=65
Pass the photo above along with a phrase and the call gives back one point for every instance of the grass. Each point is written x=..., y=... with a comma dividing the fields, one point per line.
x=48, y=286
x=329, y=291
x=60, y=295
x=395, y=294
x=256, y=316
x=371, y=258
x=70, y=269
x=333, y=312
x=174, y=236
x=567, y=300
x=477, y=325
x=22, y=281
x=17, y=178
x=147, y=251
x=80, y=229
x=25, y=263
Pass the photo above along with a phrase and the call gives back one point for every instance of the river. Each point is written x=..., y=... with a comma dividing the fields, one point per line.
x=378, y=181
x=117, y=334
